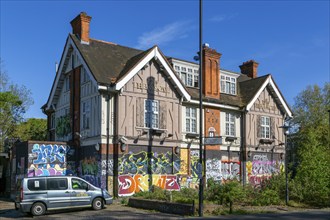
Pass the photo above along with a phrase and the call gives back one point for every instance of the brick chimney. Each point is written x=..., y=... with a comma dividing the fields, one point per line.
x=80, y=27
x=211, y=72
x=250, y=68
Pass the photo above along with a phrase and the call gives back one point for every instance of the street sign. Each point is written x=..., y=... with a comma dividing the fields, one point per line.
x=212, y=140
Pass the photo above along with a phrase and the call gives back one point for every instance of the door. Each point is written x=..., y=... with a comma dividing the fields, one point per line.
x=58, y=193
x=80, y=195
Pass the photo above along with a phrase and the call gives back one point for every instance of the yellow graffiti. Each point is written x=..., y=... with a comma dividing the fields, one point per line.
x=184, y=161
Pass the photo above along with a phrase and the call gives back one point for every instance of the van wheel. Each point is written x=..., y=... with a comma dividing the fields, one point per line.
x=97, y=204
x=38, y=208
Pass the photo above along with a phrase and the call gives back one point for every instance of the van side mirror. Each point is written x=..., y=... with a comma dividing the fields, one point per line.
x=87, y=187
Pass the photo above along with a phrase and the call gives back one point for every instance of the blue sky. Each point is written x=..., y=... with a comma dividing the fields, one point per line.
x=289, y=39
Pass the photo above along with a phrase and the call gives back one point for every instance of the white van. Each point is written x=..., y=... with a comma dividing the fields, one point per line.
x=39, y=194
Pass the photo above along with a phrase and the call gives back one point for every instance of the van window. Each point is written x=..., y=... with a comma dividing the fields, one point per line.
x=78, y=184
x=36, y=184
x=57, y=184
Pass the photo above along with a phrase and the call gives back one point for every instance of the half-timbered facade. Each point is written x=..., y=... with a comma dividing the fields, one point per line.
x=132, y=117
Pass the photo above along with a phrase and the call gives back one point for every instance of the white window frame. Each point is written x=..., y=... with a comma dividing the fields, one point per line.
x=265, y=127
x=230, y=125
x=228, y=84
x=191, y=120
x=151, y=113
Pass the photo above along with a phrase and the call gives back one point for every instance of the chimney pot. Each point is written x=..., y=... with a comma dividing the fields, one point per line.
x=250, y=68
x=80, y=27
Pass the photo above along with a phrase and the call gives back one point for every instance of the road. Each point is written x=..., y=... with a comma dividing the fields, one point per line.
x=118, y=211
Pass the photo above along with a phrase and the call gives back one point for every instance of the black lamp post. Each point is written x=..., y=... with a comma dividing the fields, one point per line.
x=286, y=131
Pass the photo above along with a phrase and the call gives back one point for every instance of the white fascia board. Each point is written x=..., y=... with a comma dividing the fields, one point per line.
x=121, y=83
x=215, y=105
x=152, y=54
x=172, y=74
x=58, y=74
x=271, y=82
x=280, y=97
x=69, y=43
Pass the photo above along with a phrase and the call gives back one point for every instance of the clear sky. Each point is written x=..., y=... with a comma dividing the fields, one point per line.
x=289, y=39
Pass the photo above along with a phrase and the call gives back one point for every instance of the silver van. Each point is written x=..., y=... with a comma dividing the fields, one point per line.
x=39, y=194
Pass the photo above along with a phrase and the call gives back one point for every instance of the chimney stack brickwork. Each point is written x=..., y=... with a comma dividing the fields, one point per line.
x=250, y=68
x=80, y=27
x=211, y=72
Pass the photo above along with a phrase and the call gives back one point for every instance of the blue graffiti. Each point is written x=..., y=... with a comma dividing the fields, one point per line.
x=49, y=153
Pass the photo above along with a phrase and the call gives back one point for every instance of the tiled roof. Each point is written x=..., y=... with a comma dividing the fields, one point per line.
x=109, y=61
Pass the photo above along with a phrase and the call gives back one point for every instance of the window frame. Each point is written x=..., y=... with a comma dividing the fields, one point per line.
x=191, y=119
x=230, y=124
x=265, y=129
x=151, y=115
x=228, y=84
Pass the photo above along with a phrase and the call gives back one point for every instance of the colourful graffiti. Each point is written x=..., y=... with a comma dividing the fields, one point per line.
x=261, y=168
x=49, y=153
x=194, y=157
x=48, y=170
x=129, y=185
x=158, y=163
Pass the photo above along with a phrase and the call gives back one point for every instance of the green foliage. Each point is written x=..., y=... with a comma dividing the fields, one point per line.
x=312, y=179
x=14, y=101
x=227, y=193
x=33, y=129
x=185, y=195
x=312, y=147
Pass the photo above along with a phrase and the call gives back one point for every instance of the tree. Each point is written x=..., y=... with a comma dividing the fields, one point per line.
x=312, y=173
x=14, y=101
x=32, y=129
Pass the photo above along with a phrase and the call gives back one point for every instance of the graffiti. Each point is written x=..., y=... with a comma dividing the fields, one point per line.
x=139, y=163
x=230, y=170
x=184, y=161
x=222, y=170
x=261, y=168
x=95, y=180
x=194, y=156
x=89, y=166
x=129, y=185
x=48, y=170
x=63, y=127
x=104, y=167
x=49, y=153
x=213, y=167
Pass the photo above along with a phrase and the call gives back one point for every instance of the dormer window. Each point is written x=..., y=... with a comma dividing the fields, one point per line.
x=228, y=85
x=187, y=72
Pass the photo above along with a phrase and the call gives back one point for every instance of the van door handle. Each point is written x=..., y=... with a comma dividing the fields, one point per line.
x=67, y=192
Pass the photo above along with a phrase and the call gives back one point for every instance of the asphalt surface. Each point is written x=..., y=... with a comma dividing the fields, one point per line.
x=119, y=211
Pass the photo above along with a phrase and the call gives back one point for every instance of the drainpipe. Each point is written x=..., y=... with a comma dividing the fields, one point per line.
x=243, y=148
x=107, y=99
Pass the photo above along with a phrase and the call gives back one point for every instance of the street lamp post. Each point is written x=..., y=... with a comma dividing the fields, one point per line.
x=286, y=130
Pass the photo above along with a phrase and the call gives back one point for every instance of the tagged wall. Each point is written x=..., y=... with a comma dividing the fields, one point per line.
x=48, y=160
x=261, y=168
x=143, y=167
